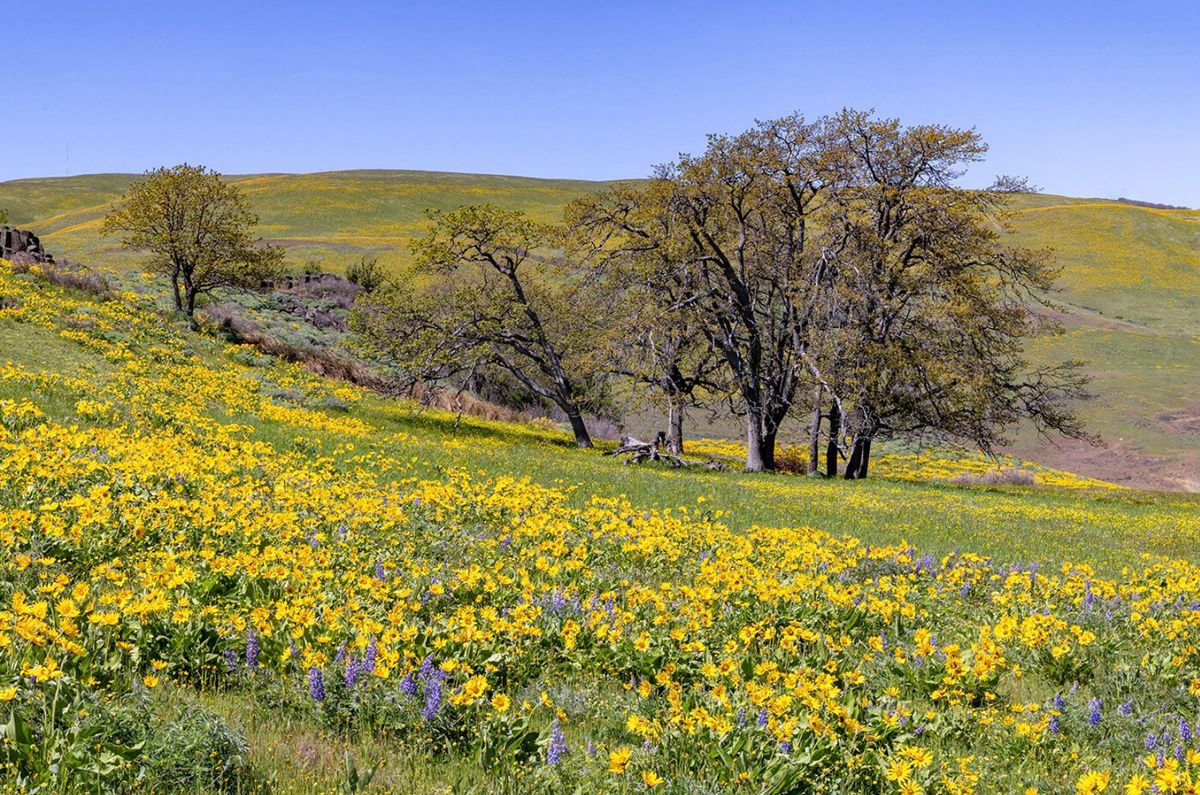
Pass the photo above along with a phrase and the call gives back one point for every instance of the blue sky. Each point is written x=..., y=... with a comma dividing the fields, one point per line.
x=1084, y=98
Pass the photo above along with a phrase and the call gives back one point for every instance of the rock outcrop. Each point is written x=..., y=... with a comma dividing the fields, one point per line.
x=21, y=244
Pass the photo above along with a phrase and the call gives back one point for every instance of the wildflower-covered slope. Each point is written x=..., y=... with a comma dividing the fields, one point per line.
x=185, y=521
x=1131, y=283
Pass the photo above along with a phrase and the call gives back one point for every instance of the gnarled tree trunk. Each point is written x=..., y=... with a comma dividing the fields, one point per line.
x=675, y=426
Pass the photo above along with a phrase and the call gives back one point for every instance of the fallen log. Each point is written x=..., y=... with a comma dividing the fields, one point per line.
x=639, y=452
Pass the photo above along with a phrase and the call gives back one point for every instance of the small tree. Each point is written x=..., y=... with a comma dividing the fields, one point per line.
x=625, y=241
x=198, y=231
x=482, y=299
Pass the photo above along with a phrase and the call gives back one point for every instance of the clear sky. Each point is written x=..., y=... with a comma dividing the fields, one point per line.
x=1098, y=98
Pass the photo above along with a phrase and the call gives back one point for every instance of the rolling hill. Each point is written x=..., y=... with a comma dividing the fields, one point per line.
x=1130, y=284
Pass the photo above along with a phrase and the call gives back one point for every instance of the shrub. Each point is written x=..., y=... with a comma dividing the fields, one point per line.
x=1002, y=476
x=196, y=751
x=64, y=273
x=367, y=274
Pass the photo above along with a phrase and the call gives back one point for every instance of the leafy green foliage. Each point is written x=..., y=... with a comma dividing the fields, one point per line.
x=197, y=230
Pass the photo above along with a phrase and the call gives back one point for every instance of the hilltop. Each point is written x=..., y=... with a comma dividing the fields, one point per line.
x=1129, y=302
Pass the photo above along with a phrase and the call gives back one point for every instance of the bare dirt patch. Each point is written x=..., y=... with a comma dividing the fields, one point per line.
x=1119, y=462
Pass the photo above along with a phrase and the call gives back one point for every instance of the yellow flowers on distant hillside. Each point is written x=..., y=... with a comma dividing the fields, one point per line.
x=151, y=543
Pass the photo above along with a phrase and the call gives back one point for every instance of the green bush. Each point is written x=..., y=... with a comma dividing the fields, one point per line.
x=367, y=274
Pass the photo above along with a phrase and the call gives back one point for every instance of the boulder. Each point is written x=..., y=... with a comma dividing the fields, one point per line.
x=22, y=244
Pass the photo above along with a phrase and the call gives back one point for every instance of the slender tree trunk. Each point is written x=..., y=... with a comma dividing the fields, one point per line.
x=582, y=439
x=866, y=458
x=814, y=439
x=852, y=466
x=835, y=432
x=190, y=309
x=176, y=293
x=674, y=427
x=754, y=441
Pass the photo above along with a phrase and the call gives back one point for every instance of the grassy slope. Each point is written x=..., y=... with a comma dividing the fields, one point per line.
x=1109, y=529
x=1131, y=286
x=1131, y=279
x=331, y=217
x=1104, y=528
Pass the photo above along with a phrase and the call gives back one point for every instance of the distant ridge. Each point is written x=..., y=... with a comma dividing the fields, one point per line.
x=1152, y=205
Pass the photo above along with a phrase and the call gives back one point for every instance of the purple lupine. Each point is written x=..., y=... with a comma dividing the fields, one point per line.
x=1126, y=709
x=433, y=698
x=408, y=686
x=316, y=683
x=762, y=718
x=341, y=654
x=380, y=574
x=352, y=668
x=1094, y=717
x=591, y=748
x=741, y=716
x=1185, y=731
x=1151, y=741
x=231, y=660
x=1058, y=701
x=372, y=653
x=1052, y=726
x=1179, y=752
x=786, y=747
x=426, y=672
x=558, y=744
x=251, y=651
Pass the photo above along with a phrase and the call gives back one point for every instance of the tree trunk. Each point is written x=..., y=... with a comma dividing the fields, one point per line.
x=675, y=427
x=852, y=466
x=582, y=439
x=866, y=457
x=190, y=309
x=768, y=450
x=814, y=439
x=835, y=432
x=754, y=453
x=175, y=291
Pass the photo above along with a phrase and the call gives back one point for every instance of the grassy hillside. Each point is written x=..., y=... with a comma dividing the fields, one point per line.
x=1131, y=289
x=1131, y=284
x=326, y=218
x=223, y=573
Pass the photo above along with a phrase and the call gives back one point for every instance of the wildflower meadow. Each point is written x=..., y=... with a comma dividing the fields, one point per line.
x=213, y=566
